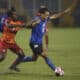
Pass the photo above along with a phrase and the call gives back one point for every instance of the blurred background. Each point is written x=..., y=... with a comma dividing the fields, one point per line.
x=30, y=7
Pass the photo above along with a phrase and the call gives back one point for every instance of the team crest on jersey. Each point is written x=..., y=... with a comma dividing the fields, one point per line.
x=44, y=24
x=35, y=46
x=43, y=28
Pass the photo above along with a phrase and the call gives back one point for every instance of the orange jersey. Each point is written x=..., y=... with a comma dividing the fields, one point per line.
x=9, y=33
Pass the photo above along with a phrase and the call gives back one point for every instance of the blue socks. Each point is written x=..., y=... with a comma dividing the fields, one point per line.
x=50, y=64
x=47, y=60
x=27, y=59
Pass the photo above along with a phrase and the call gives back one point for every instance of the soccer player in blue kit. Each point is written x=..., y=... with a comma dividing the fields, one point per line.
x=3, y=16
x=38, y=31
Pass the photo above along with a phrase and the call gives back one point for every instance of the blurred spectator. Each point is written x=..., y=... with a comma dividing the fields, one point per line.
x=76, y=15
x=22, y=18
x=55, y=21
x=2, y=10
x=2, y=17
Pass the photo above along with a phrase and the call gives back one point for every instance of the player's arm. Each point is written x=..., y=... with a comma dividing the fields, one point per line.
x=32, y=23
x=10, y=25
x=35, y=22
x=15, y=25
x=54, y=16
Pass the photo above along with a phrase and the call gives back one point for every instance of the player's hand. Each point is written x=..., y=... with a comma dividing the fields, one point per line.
x=37, y=21
x=23, y=25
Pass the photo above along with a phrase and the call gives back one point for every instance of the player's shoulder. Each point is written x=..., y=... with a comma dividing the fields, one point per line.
x=36, y=18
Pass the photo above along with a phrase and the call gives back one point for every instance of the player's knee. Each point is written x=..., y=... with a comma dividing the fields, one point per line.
x=2, y=58
x=21, y=54
x=44, y=55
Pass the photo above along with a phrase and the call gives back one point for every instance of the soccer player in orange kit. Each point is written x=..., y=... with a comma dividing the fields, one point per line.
x=7, y=40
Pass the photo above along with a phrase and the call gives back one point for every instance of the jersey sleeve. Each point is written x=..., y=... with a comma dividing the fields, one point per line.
x=48, y=18
x=35, y=18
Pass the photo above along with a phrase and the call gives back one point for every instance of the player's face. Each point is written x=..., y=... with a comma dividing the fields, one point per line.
x=14, y=15
x=45, y=15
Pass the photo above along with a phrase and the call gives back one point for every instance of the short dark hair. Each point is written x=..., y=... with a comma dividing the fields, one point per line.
x=10, y=12
x=43, y=10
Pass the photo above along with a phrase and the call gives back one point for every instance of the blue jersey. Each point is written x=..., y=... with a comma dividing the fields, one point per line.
x=2, y=19
x=38, y=32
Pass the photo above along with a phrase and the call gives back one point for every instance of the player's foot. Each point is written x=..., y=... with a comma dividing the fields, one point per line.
x=59, y=71
x=14, y=68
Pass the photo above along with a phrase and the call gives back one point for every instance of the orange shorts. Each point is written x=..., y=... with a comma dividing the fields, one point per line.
x=13, y=47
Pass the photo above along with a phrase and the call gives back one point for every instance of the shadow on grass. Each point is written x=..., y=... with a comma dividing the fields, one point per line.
x=40, y=76
x=34, y=75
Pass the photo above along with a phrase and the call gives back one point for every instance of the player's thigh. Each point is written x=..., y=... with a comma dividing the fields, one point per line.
x=44, y=55
x=3, y=50
x=35, y=56
x=17, y=50
x=38, y=50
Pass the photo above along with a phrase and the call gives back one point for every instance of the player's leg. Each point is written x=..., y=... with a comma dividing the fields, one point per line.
x=48, y=61
x=34, y=57
x=3, y=50
x=2, y=54
x=46, y=38
x=58, y=71
x=19, y=52
x=46, y=41
x=30, y=58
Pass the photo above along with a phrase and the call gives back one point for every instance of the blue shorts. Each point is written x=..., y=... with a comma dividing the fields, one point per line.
x=36, y=48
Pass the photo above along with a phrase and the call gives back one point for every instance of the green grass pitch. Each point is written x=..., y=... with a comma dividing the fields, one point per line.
x=64, y=51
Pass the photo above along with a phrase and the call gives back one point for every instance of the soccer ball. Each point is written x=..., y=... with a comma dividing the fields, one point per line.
x=59, y=71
